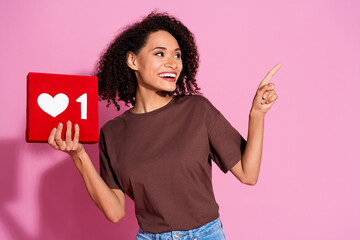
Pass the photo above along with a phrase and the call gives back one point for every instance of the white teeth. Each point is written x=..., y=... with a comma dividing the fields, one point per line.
x=172, y=75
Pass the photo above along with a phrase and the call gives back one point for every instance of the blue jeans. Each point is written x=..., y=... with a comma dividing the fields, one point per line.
x=210, y=231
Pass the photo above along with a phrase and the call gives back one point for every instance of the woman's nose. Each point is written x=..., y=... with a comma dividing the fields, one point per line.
x=170, y=62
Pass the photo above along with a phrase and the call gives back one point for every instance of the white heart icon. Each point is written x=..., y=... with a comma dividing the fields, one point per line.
x=53, y=105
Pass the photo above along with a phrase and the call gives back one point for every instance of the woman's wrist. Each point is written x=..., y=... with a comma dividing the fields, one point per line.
x=77, y=154
x=256, y=114
x=79, y=157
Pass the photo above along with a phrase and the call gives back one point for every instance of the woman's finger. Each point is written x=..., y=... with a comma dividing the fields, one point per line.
x=269, y=75
x=52, y=136
x=76, y=136
x=68, y=136
x=51, y=139
x=268, y=94
x=58, y=140
x=268, y=87
x=273, y=98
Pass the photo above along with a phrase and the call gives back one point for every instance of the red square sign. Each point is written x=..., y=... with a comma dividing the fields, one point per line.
x=55, y=98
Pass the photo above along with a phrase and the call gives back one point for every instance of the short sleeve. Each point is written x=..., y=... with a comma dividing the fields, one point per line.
x=227, y=146
x=106, y=170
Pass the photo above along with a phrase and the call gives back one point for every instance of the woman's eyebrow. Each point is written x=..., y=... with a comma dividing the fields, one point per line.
x=176, y=49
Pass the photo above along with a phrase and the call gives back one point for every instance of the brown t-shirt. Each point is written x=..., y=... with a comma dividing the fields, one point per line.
x=162, y=160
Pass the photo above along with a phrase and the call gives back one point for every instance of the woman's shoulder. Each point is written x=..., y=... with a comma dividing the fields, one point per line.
x=199, y=104
x=201, y=99
x=115, y=122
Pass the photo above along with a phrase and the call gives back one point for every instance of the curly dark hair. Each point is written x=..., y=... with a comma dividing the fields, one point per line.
x=117, y=82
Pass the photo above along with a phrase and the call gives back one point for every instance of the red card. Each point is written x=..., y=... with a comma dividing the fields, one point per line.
x=55, y=98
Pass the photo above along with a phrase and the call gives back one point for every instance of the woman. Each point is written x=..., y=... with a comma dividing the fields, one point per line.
x=159, y=152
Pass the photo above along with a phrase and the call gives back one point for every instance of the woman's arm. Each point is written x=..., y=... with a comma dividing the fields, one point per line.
x=248, y=168
x=110, y=201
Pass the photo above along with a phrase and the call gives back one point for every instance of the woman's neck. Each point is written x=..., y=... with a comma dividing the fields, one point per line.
x=150, y=103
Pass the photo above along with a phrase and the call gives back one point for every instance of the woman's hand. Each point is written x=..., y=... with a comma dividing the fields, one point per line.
x=72, y=147
x=265, y=94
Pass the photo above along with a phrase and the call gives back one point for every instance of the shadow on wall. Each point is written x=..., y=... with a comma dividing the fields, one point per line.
x=9, y=188
x=66, y=211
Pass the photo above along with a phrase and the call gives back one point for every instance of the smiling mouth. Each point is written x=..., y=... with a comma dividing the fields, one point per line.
x=168, y=76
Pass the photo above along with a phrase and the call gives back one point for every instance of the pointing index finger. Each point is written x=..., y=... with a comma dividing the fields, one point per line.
x=269, y=75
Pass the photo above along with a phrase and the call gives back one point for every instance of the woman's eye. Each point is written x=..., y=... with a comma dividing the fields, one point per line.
x=178, y=55
x=159, y=54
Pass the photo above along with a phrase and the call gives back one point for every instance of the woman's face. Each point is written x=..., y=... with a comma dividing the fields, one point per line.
x=158, y=64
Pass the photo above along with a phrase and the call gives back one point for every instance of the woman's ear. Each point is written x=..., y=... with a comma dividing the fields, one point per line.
x=131, y=60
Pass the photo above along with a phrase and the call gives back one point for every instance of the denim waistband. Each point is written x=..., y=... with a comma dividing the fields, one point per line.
x=192, y=234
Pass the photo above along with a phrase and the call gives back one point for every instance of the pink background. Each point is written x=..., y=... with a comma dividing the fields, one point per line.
x=309, y=183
